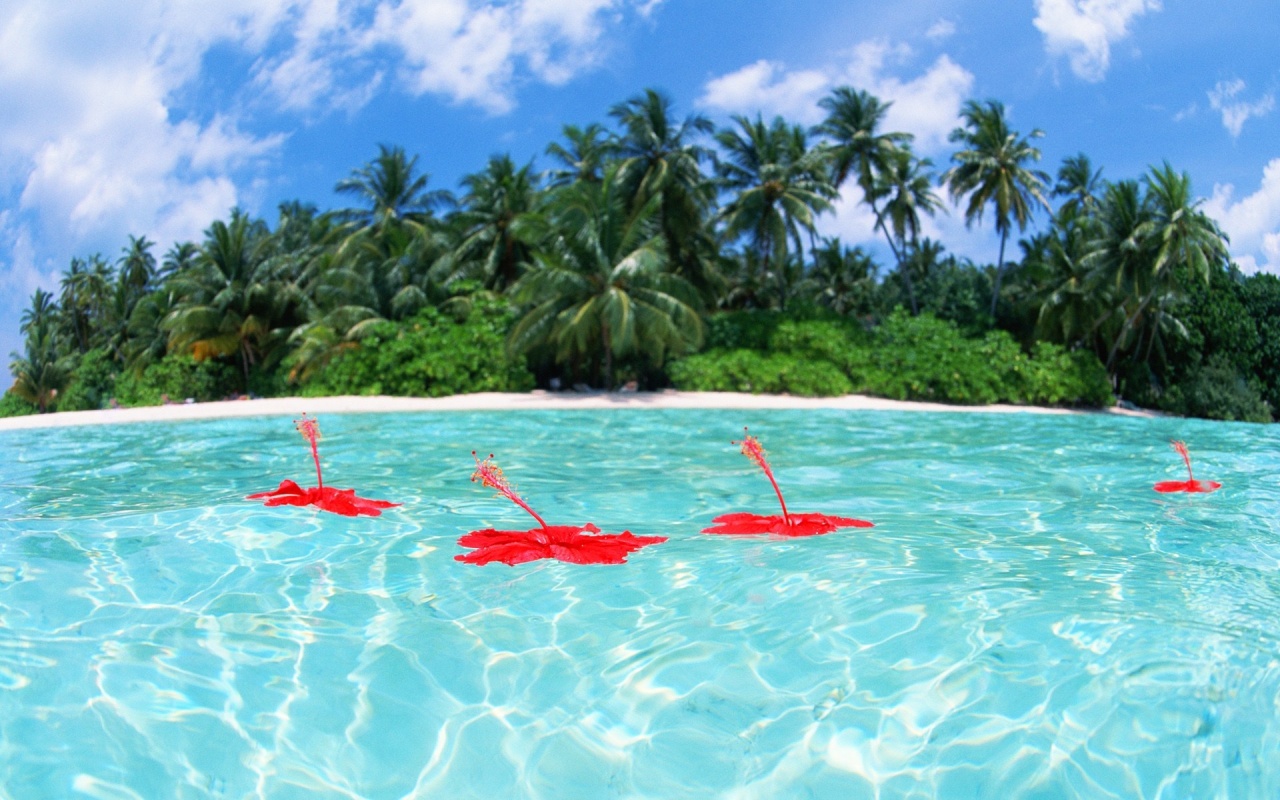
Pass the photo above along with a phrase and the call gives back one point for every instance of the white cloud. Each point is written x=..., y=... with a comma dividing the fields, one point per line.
x=1235, y=113
x=766, y=86
x=1084, y=30
x=96, y=140
x=927, y=105
x=942, y=29
x=465, y=50
x=1252, y=222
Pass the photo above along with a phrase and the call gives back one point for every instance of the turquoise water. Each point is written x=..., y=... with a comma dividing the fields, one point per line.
x=1028, y=619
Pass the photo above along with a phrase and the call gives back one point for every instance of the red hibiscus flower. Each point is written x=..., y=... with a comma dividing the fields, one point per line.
x=1190, y=484
x=575, y=544
x=787, y=524
x=325, y=498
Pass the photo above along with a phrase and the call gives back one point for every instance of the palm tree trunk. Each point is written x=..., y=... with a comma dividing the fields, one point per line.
x=244, y=363
x=902, y=267
x=608, y=357
x=995, y=292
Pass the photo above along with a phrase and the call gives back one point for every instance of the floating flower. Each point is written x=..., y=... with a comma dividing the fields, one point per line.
x=574, y=544
x=325, y=498
x=1190, y=484
x=787, y=524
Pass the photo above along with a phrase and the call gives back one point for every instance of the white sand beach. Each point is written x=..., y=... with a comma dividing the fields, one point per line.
x=497, y=401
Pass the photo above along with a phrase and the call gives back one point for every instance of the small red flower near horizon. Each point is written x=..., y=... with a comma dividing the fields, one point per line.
x=573, y=544
x=325, y=498
x=788, y=524
x=1190, y=484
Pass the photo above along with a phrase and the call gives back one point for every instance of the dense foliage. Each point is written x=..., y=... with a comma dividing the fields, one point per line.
x=905, y=358
x=429, y=355
x=663, y=250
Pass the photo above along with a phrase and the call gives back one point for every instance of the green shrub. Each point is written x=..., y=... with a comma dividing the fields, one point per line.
x=1217, y=390
x=924, y=358
x=179, y=376
x=429, y=355
x=758, y=373
x=745, y=330
x=906, y=358
x=92, y=384
x=13, y=406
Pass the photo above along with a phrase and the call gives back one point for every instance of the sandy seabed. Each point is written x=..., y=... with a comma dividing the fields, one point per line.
x=498, y=401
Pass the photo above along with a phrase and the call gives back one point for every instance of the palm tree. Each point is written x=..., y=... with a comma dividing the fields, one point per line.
x=85, y=285
x=391, y=189
x=780, y=187
x=856, y=147
x=599, y=290
x=43, y=313
x=1080, y=184
x=496, y=224
x=660, y=159
x=1071, y=301
x=228, y=305
x=1148, y=239
x=583, y=157
x=993, y=169
x=136, y=270
x=1186, y=236
x=905, y=184
x=179, y=257
x=844, y=279
x=42, y=372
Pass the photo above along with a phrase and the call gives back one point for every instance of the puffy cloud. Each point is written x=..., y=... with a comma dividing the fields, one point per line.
x=1252, y=222
x=1084, y=30
x=467, y=51
x=927, y=105
x=1222, y=98
x=110, y=126
x=942, y=29
x=768, y=87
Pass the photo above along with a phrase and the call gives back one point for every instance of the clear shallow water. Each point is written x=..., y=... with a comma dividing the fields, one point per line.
x=1027, y=620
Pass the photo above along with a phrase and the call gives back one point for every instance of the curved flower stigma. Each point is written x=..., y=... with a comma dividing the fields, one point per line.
x=1181, y=447
x=752, y=449
x=309, y=427
x=490, y=476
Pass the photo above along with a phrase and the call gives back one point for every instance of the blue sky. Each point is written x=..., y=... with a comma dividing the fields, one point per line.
x=155, y=118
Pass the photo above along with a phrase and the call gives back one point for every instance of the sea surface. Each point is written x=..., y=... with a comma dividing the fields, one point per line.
x=1027, y=618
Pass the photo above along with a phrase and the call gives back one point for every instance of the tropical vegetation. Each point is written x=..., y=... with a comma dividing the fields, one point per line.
x=657, y=250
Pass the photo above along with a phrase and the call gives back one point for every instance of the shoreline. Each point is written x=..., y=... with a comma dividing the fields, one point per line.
x=537, y=400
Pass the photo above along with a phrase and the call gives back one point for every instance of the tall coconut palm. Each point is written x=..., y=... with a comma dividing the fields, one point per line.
x=1071, y=301
x=905, y=186
x=993, y=168
x=599, y=290
x=583, y=155
x=661, y=158
x=228, y=305
x=42, y=371
x=136, y=269
x=843, y=279
x=85, y=286
x=1120, y=256
x=778, y=187
x=857, y=148
x=178, y=258
x=391, y=189
x=495, y=221
x=1148, y=241
x=1080, y=184
x=1186, y=237
x=43, y=313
